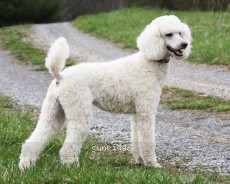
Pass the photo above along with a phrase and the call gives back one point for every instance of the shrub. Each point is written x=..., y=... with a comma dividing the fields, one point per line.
x=76, y=8
x=206, y=5
x=30, y=11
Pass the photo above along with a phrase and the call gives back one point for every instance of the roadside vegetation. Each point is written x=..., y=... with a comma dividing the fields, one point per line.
x=14, y=39
x=210, y=30
x=107, y=166
x=27, y=11
x=178, y=99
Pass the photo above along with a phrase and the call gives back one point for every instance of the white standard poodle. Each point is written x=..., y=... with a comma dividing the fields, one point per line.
x=130, y=85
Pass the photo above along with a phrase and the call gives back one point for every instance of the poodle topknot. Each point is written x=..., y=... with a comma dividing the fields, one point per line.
x=130, y=85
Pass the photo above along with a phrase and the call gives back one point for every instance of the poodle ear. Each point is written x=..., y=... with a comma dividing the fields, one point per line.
x=186, y=35
x=151, y=43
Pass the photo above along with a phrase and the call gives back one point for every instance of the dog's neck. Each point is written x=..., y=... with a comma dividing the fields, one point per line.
x=164, y=60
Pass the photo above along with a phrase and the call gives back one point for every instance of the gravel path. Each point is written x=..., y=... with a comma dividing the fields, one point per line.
x=202, y=138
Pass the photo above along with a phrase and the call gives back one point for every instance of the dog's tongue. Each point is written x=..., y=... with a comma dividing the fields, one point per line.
x=179, y=52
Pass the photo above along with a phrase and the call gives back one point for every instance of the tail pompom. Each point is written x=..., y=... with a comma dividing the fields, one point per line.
x=56, y=57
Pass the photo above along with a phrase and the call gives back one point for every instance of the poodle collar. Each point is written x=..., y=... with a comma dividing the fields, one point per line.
x=163, y=61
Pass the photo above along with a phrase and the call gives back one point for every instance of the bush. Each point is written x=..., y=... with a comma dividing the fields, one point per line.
x=206, y=5
x=77, y=8
x=30, y=11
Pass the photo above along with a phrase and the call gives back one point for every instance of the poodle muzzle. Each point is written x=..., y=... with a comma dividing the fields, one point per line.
x=178, y=52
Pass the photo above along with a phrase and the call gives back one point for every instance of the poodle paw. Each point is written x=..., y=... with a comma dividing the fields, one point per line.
x=26, y=163
x=68, y=158
x=157, y=165
x=137, y=161
x=153, y=164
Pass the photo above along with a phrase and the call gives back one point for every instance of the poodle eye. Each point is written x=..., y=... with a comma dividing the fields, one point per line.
x=169, y=34
x=180, y=33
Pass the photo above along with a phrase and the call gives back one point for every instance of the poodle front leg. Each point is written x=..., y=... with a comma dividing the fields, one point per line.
x=147, y=144
x=77, y=106
x=135, y=141
x=77, y=132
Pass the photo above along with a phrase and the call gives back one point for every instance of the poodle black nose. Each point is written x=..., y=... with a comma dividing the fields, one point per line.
x=184, y=45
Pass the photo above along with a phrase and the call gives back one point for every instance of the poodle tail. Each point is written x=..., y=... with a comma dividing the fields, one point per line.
x=56, y=57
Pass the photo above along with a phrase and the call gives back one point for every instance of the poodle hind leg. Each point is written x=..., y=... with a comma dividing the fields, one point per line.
x=50, y=121
x=77, y=132
x=78, y=116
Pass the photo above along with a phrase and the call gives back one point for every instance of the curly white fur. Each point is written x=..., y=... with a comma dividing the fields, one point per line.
x=130, y=85
x=56, y=57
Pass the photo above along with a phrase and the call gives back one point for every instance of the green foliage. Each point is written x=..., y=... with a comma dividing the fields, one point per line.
x=184, y=99
x=206, y=5
x=210, y=30
x=106, y=166
x=29, y=11
x=14, y=38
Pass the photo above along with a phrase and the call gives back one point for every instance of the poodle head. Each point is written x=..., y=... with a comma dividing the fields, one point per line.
x=165, y=36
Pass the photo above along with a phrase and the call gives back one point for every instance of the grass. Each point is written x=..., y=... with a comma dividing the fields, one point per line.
x=210, y=30
x=106, y=166
x=178, y=99
x=13, y=39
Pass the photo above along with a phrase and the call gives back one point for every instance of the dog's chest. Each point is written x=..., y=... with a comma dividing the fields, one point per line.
x=115, y=97
x=116, y=107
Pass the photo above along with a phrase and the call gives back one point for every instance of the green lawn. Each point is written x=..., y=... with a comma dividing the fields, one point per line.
x=96, y=167
x=13, y=38
x=178, y=99
x=210, y=30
